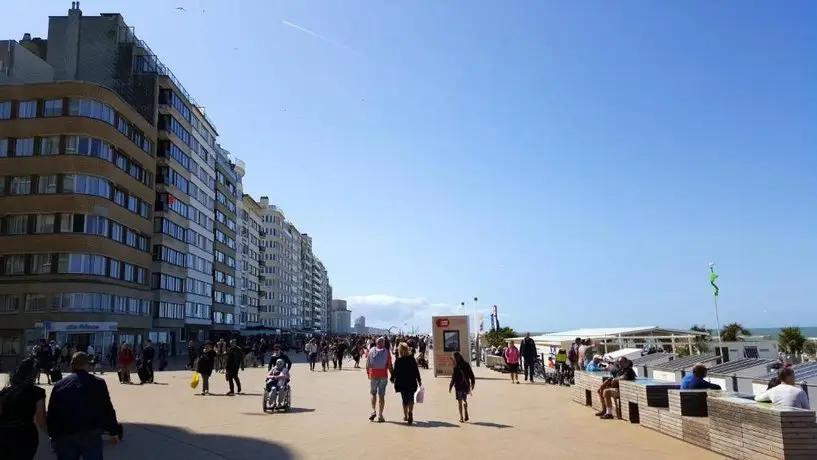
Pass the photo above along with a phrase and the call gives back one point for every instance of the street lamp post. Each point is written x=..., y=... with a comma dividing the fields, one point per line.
x=476, y=330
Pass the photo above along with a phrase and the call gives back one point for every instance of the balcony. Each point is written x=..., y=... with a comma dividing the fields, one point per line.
x=262, y=263
x=262, y=234
x=262, y=249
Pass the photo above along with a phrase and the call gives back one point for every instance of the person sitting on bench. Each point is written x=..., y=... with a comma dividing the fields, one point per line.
x=609, y=389
x=695, y=380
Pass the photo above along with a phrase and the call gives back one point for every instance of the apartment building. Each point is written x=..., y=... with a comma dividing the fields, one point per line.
x=77, y=171
x=279, y=306
x=250, y=263
x=310, y=317
x=224, y=272
x=184, y=227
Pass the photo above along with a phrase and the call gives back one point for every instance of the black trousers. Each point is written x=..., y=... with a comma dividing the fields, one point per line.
x=529, y=364
x=232, y=379
x=149, y=367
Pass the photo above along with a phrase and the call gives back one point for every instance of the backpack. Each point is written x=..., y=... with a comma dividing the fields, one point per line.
x=572, y=355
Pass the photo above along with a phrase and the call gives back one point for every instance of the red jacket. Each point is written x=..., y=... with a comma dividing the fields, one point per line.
x=125, y=357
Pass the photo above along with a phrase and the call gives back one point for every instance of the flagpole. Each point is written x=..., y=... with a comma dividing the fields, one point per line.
x=476, y=329
x=712, y=278
x=718, y=321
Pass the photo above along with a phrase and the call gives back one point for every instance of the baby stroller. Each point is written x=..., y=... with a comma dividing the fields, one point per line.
x=272, y=392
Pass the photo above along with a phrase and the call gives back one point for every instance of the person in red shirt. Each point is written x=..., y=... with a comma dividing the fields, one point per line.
x=126, y=358
x=378, y=368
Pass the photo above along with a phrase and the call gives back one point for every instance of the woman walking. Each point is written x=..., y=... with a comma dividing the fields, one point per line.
x=205, y=365
x=463, y=381
x=512, y=359
x=406, y=379
x=22, y=404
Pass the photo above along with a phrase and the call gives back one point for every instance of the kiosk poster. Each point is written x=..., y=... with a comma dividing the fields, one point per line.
x=450, y=334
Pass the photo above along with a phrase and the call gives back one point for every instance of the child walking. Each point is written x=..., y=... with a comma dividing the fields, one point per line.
x=463, y=381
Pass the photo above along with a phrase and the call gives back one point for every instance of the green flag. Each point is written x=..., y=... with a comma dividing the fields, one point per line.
x=712, y=278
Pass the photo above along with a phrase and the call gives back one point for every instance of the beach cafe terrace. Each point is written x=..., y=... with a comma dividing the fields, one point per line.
x=617, y=338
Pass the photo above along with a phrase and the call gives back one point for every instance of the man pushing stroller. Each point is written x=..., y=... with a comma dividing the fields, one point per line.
x=277, y=384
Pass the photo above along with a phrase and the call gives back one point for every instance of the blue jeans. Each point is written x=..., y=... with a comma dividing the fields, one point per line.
x=87, y=446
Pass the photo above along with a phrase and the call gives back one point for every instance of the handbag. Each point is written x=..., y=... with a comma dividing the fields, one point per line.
x=194, y=382
x=420, y=395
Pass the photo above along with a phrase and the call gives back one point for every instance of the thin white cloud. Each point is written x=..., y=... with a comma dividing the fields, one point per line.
x=385, y=311
x=314, y=34
x=382, y=310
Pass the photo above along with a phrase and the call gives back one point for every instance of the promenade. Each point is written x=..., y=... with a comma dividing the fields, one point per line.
x=329, y=421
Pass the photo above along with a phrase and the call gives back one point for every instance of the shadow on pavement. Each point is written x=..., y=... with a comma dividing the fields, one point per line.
x=161, y=442
x=292, y=410
x=491, y=425
x=426, y=424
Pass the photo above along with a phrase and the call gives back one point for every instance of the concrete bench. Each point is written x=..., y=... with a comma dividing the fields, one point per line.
x=742, y=428
x=586, y=389
x=643, y=399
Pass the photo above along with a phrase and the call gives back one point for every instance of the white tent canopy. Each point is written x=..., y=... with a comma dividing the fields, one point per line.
x=619, y=335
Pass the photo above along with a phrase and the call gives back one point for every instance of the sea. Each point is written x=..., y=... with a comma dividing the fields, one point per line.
x=770, y=332
x=773, y=332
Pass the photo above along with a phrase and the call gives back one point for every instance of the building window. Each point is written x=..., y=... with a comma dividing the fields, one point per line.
x=17, y=225
x=40, y=264
x=27, y=109
x=44, y=223
x=24, y=147
x=15, y=264
x=5, y=110
x=4, y=148
x=52, y=108
x=50, y=145
x=47, y=184
x=20, y=185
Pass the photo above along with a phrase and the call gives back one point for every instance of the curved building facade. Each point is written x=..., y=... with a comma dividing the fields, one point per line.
x=77, y=192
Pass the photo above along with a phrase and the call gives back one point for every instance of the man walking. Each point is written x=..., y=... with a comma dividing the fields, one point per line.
x=378, y=368
x=221, y=354
x=233, y=361
x=148, y=355
x=79, y=411
x=528, y=351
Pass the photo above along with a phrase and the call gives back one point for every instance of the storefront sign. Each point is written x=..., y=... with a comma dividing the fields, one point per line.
x=78, y=327
x=450, y=334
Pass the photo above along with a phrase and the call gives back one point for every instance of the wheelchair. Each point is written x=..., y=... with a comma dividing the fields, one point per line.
x=268, y=401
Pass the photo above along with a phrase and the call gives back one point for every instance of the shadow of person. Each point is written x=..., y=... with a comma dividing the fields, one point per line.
x=159, y=442
x=491, y=425
x=426, y=424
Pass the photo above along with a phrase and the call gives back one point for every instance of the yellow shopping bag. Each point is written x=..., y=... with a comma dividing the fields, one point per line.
x=194, y=382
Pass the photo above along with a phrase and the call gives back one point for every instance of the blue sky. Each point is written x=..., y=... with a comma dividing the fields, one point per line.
x=577, y=163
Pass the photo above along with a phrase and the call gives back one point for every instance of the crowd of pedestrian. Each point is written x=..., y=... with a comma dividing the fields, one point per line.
x=77, y=414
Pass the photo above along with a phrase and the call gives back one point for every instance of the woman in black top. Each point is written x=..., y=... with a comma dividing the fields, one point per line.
x=463, y=381
x=406, y=379
x=205, y=365
x=21, y=403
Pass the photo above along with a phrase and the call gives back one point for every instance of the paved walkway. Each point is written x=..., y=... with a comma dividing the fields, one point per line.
x=166, y=421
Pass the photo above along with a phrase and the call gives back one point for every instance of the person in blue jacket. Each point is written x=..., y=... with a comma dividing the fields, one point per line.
x=595, y=365
x=695, y=380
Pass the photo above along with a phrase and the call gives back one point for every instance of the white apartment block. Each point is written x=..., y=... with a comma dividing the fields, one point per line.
x=314, y=289
x=250, y=261
x=276, y=308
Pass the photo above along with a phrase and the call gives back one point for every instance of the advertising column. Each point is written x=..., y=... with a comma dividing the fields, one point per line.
x=450, y=334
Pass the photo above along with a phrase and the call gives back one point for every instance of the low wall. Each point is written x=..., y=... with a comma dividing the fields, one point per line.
x=730, y=424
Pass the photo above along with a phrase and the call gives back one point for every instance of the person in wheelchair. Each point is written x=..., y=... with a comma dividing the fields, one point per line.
x=278, y=383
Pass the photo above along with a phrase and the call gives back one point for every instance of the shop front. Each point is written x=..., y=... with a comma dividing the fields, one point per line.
x=79, y=335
